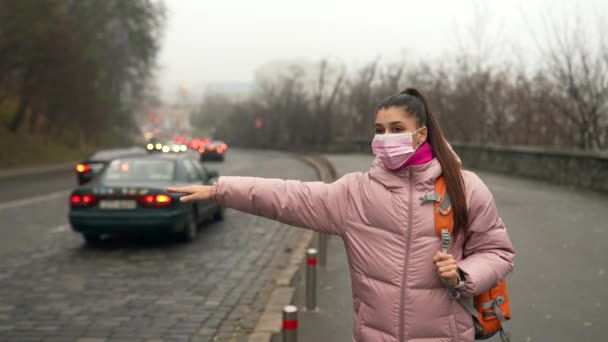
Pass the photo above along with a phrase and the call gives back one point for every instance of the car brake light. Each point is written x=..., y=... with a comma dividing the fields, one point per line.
x=83, y=168
x=224, y=146
x=211, y=148
x=220, y=151
x=201, y=150
x=82, y=200
x=159, y=200
x=164, y=199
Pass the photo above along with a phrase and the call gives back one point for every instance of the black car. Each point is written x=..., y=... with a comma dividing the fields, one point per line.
x=129, y=197
x=86, y=170
x=213, y=151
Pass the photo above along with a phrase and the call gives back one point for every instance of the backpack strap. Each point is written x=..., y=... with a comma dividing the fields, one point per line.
x=444, y=216
x=444, y=222
x=472, y=310
x=444, y=226
x=505, y=336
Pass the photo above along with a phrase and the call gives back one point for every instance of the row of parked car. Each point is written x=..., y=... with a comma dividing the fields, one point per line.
x=123, y=191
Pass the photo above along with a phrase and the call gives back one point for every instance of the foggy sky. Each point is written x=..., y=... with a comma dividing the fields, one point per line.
x=227, y=40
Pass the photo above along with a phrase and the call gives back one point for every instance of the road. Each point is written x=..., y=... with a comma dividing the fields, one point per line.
x=54, y=288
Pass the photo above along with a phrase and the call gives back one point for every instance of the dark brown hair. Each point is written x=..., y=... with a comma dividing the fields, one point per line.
x=414, y=103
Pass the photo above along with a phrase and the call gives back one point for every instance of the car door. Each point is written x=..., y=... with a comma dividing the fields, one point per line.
x=200, y=177
x=194, y=178
x=202, y=172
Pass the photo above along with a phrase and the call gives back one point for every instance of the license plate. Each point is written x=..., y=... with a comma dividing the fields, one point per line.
x=117, y=204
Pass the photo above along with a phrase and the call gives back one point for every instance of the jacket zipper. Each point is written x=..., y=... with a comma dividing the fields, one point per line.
x=407, y=258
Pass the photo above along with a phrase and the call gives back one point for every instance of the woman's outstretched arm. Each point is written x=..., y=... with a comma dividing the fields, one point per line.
x=313, y=205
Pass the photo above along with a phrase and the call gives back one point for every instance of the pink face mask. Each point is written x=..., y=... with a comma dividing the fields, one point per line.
x=393, y=149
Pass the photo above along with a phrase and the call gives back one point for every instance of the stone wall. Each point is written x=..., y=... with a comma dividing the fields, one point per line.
x=587, y=170
x=580, y=169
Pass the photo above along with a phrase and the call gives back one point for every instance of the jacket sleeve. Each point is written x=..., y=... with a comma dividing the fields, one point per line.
x=488, y=253
x=313, y=205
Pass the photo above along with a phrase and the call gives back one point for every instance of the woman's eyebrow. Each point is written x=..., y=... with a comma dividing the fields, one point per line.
x=391, y=123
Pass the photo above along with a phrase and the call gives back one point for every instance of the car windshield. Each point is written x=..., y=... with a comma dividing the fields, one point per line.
x=105, y=155
x=132, y=169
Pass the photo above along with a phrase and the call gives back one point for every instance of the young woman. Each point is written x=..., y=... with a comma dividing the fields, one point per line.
x=398, y=272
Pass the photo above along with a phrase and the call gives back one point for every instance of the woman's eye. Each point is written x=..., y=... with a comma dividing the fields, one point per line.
x=379, y=131
x=398, y=129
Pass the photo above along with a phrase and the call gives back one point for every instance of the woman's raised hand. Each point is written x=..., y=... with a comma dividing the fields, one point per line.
x=194, y=192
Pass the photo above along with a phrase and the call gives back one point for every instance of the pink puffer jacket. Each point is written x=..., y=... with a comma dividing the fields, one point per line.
x=390, y=240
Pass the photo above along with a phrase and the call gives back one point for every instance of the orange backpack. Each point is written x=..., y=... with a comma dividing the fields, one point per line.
x=490, y=309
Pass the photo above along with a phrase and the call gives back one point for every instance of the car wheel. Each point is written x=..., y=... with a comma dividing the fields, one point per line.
x=92, y=239
x=191, y=229
x=219, y=214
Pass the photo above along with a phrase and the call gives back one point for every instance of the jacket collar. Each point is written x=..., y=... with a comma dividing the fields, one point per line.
x=420, y=175
x=423, y=175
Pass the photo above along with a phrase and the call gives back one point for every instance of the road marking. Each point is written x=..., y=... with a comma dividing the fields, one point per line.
x=31, y=200
x=60, y=229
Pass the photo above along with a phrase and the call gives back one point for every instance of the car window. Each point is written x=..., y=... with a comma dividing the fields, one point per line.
x=131, y=169
x=202, y=172
x=190, y=170
x=180, y=173
x=103, y=155
x=107, y=155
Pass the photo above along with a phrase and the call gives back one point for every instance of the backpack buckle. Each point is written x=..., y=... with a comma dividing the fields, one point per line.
x=430, y=198
x=445, y=240
x=446, y=206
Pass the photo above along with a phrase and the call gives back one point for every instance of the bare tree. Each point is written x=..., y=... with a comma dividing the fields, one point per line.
x=325, y=96
x=361, y=98
x=577, y=62
x=83, y=65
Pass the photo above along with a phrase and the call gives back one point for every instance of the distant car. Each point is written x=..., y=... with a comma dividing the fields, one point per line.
x=89, y=168
x=165, y=147
x=129, y=197
x=154, y=145
x=213, y=151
